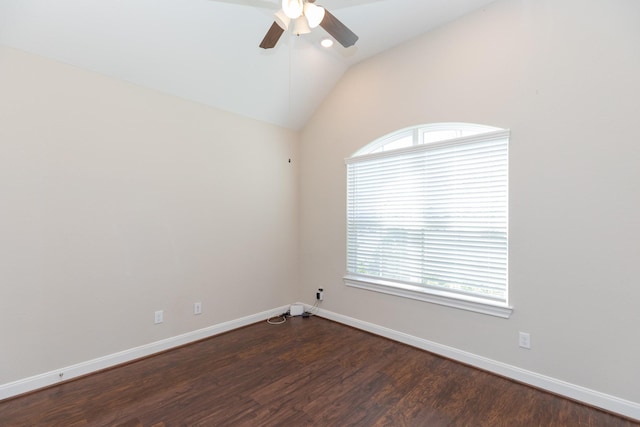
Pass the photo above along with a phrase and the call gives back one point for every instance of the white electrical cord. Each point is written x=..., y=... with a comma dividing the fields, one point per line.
x=283, y=318
x=311, y=311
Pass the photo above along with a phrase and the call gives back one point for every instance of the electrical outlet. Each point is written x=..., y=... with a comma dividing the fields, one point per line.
x=197, y=308
x=524, y=340
x=158, y=317
x=320, y=294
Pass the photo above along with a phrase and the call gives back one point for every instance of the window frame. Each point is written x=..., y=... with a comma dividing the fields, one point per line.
x=467, y=133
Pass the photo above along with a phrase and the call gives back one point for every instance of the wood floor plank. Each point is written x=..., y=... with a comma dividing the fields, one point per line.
x=305, y=372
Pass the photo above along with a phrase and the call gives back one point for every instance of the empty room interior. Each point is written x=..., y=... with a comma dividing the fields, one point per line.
x=164, y=179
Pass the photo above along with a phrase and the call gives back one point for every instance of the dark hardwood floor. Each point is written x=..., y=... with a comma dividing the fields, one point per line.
x=306, y=372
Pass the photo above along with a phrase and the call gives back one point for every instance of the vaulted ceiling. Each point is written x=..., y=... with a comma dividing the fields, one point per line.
x=207, y=50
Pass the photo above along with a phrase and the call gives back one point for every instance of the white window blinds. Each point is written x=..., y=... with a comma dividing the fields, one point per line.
x=432, y=217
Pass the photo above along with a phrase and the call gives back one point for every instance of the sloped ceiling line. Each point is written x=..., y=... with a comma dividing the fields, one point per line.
x=207, y=50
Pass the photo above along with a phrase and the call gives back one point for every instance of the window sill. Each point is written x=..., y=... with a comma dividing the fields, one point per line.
x=428, y=295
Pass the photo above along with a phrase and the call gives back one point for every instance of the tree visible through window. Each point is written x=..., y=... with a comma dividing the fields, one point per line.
x=427, y=215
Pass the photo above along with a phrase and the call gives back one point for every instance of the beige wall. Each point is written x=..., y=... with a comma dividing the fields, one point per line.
x=117, y=201
x=563, y=76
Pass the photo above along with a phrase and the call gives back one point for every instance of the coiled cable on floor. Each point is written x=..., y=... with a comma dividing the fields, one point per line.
x=283, y=318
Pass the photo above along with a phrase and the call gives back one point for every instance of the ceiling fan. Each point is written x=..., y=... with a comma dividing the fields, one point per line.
x=302, y=16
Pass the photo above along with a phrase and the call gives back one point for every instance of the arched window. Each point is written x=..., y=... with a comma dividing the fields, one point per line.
x=427, y=211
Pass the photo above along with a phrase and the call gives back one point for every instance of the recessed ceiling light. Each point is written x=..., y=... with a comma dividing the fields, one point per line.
x=326, y=42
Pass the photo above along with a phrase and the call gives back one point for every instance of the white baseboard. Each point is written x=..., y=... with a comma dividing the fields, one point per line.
x=591, y=397
x=46, y=379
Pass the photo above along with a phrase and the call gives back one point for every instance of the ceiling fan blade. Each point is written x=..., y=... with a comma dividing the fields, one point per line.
x=271, y=38
x=338, y=30
x=347, y=3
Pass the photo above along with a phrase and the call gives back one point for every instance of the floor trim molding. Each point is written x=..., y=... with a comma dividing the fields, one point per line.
x=590, y=397
x=57, y=376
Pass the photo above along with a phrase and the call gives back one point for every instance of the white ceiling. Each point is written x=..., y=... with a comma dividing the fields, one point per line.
x=207, y=50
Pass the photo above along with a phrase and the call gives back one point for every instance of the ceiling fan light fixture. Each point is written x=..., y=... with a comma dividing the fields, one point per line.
x=301, y=26
x=314, y=14
x=326, y=43
x=293, y=8
x=282, y=19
